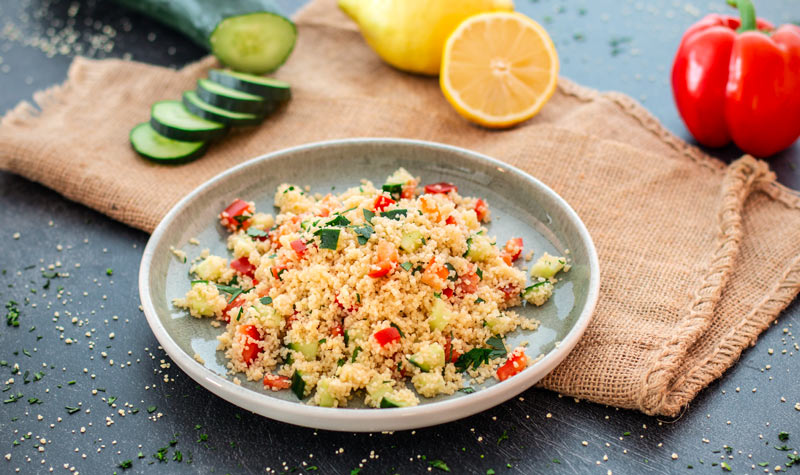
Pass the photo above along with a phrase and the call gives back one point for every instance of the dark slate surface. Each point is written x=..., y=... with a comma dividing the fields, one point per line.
x=608, y=44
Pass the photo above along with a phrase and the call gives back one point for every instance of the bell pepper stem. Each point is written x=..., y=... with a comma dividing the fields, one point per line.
x=747, y=12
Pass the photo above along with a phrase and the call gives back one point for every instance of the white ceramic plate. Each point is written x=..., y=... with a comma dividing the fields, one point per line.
x=521, y=206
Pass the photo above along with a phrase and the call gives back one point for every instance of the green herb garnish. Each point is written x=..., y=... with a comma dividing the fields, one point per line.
x=479, y=272
x=329, y=238
x=355, y=354
x=363, y=233
x=266, y=300
x=126, y=464
x=439, y=464
x=477, y=356
x=72, y=410
x=398, y=329
x=339, y=220
x=395, y=214
x=467, y=390
x=256, y=233
x=452, y=275
x=368, y=215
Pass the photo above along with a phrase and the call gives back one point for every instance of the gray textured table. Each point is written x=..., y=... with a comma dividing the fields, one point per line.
x=128, y=403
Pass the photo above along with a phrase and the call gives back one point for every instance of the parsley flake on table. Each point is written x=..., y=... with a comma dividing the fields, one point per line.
x=439, y=464
x=783, y=436
x=126, y=464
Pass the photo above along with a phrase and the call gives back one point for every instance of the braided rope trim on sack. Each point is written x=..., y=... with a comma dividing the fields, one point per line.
x=745, y=334
x=658, y=395
x=738, y=183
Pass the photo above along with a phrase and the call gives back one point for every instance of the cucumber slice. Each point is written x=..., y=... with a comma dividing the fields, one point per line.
x=268, y=88
x=232, y=100
x=256, y=43
x=202, y=109
x=153, y=146
x=172, y=120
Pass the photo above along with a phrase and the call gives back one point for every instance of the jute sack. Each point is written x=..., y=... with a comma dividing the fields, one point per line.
x=697, y=257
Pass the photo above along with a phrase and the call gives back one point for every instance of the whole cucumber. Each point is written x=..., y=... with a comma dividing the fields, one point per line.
x=250, y=36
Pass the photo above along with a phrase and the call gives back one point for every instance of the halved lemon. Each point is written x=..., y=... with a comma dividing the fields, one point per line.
x=499, y=68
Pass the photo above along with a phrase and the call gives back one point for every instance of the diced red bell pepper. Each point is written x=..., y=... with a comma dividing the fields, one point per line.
x=238, y=208
x=450, y=355
x=337, y=330
x=511, y=291
x=290, y=320
x=515, y=364
x=243, y=266
x=468, y=283
x=276, y=382
x=341, y=305
x=739, y=79
x=386, y=259
x=299, y=247
x=382, y=202
x=276, y=270
x=450, y=220
x=386, y=336
x=237, y=302
x=441, y=187
x=481, y=209
x=447, y=292
x=250, y=350
x=512, y=250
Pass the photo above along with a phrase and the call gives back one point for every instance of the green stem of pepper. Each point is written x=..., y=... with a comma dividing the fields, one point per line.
x=747, y=12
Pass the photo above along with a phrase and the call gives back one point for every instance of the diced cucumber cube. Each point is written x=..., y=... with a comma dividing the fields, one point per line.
x=411, y=241
x=480, y=248
x=440, y=316
x=547, y=266
x=429, y=357
x=309, y=350
x=324, y=398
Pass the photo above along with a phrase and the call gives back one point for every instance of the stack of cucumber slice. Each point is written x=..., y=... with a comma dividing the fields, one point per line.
x=181, y=131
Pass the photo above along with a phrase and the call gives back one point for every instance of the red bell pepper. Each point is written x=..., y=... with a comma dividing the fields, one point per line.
x=739, y=80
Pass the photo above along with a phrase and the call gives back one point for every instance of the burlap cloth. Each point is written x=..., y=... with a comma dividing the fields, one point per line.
x=697, y=257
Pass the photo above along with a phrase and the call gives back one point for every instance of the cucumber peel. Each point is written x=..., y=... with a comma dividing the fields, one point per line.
x=268, y=88
x=172, y=120
x=207, y=111
x=231, y=99
x=154, y=146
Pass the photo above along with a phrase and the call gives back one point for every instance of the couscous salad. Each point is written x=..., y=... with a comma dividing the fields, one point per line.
x=357, y=294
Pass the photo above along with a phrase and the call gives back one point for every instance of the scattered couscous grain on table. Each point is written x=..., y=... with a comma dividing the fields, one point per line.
x=354, y=295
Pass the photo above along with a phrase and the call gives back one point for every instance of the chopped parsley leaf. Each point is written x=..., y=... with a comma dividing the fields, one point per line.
x=479, y=272
x=368, y=215
x=329, y=238
x=363, y=233
x=398, y=329
x=355, y=354
x=439, y=464
x=338, y=221
x=126, y=464
x=783, y=436
x=467, y=390
x=394, y=189
x=395, y=214
x=479, y=300
x=256, y=233
x=151, y=409
x=72, y=410
x=503, y=436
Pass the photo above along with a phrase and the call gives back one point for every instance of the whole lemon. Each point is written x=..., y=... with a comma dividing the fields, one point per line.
x=410, y=34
